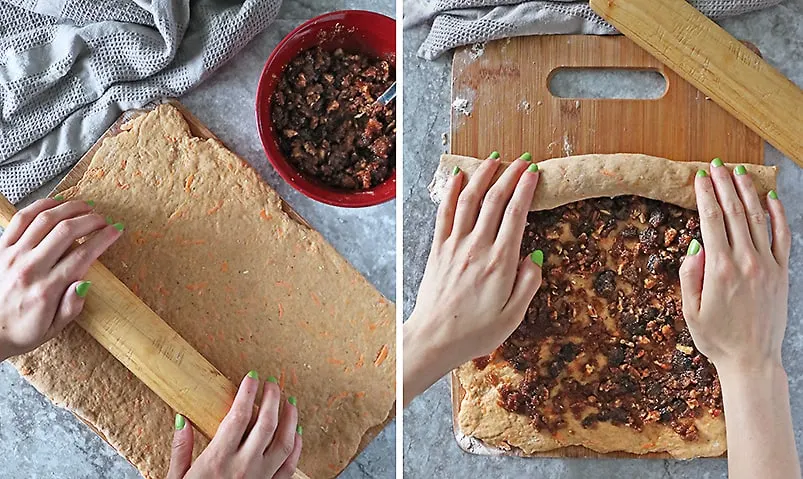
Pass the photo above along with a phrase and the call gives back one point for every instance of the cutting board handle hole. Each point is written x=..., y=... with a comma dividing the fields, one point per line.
x=607, y=83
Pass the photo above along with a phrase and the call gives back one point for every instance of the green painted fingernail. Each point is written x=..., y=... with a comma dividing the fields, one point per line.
x=91, y=203
x=272, y=379
x=455, y=170
x=740, y=170
x=299, y=430
x=59, y=197
x=109, y=220
x=532, y=168
x=494, y=155
x=253, y=374
x=701, y=174
x=292, y=400
x=180, y=422
x=526, y=157
x=119, y=226
x=537, y=257
x=716, y=162
x=694, y=248
x=773, y=195
x=83, y=288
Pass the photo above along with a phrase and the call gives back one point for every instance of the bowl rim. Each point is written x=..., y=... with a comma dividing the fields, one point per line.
x=330, y=196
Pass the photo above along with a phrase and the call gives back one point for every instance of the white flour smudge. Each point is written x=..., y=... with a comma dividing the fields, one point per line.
x=567, y=146
x=525, y=106
x=461, y=105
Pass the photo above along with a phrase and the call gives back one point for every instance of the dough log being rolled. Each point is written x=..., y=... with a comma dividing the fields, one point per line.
x=574, y=178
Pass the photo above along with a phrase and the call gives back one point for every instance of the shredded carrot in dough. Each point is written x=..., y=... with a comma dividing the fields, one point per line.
x=197, y=286
x=215, y=208
x=383, y=354
x=336, y=397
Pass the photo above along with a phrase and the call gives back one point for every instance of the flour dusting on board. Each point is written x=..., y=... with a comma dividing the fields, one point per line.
x=568, y=149
x=462, y=106
x=525, y=106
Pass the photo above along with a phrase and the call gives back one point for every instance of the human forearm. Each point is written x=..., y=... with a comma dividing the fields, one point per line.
x=425, y=357
x=761, y=442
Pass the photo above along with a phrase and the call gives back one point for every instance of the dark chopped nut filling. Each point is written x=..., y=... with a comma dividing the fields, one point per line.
x=609, y=315
x=328, y=123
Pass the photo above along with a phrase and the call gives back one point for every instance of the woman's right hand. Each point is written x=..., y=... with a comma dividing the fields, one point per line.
x=267, y=446
x=735, y=288
x=734, y=301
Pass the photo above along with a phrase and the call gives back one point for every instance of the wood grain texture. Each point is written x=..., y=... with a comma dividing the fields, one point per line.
x=717, y=64
x=512, y=111
x=682, y=125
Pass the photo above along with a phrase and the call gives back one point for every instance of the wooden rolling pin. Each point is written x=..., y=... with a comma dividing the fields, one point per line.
x=717, y=64
x=151, y=349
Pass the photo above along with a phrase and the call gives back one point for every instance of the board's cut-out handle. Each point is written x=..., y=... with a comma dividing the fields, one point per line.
x=611, y=83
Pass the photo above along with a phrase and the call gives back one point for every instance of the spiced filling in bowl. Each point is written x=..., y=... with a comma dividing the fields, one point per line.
x=327, y=120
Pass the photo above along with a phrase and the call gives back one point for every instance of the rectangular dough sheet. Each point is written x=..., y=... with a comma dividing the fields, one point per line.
x=209, y=249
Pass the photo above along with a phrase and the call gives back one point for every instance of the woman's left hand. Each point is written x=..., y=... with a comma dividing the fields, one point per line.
x=41, y=273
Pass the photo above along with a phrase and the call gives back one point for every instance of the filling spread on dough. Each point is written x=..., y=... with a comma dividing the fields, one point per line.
x=605, y=339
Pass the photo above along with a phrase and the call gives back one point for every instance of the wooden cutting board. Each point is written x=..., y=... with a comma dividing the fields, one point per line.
x=511, y=110
x=501, y=101
x=198, y=129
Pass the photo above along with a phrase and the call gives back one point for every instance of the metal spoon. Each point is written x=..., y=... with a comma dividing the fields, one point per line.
x=388, y=96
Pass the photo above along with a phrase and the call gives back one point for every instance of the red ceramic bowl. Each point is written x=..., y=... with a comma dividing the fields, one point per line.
x=353, y=30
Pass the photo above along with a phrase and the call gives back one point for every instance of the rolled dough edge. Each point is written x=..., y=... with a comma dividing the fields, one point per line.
x=575, y=178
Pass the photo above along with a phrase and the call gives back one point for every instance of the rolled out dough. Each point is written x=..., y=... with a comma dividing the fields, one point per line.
x=208, y=247
x=563, y=181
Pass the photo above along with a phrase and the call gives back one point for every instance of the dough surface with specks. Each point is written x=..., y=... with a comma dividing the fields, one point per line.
x=209, y=248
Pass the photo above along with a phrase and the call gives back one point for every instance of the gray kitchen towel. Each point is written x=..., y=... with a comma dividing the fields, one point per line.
x=69, y=68
x=463, y=22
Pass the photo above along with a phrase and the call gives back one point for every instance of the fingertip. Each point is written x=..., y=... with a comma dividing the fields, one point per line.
x=695, y=247
x=693, y=261
x=537, y=257
x=71, y=305
x=82, y=288
x=250, y=383
x=180, y=422
x=181, y=451
x=271, y=389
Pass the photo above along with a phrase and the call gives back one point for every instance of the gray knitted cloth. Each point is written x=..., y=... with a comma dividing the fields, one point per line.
x=462, y=22
x=69, y=68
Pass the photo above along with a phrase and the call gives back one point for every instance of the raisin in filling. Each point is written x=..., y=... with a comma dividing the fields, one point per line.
x=328, y=123
x=604, y=340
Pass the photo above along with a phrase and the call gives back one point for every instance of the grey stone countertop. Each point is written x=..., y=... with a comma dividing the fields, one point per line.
x=38, y=439
x=429, y=446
